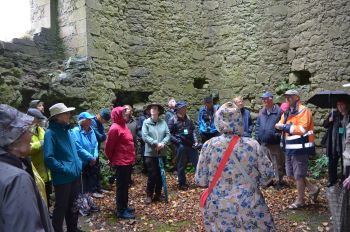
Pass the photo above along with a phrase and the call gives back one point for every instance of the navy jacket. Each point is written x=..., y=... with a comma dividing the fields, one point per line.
x=247, y=123
x=182, y=131
x=265, y=131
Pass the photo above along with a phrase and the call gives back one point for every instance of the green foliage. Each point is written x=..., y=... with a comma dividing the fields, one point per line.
x=283, y=87
x=106, y=171
x=318, y=166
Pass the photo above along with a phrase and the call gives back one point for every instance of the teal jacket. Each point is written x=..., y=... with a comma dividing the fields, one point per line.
x=154, y=133
x=86, y=144
x=60, y=154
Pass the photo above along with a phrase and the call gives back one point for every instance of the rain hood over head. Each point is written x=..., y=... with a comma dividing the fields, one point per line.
x=117, y=115
x=12, y=124
x=228, y=119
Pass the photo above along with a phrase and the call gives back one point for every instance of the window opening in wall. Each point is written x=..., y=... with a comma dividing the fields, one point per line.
x=14, y=19
x=303, y=77
x=199, y=83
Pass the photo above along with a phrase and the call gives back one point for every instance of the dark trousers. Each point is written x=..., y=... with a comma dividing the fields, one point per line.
x=154, y=180
x=123, y=176
x=65, y=195
x=185, y=154
x=333, y=169
x=206, y=136
x=48, y=190
x=91, y=178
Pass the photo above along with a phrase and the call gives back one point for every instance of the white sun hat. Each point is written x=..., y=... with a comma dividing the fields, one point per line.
x=59, y=108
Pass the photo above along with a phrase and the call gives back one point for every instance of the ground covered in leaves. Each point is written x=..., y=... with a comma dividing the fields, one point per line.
x=182, y=212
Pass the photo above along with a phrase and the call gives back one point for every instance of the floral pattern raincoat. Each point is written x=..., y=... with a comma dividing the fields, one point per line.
x=236, y=203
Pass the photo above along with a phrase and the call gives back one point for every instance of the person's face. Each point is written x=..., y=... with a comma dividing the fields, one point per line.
x=154, y=111
x=21, y=147
x=64, y=117
x=341, y=106
x=172, y=104
x=209, y=105
x=128, y=111
x=267, y=102
x=40, y=107
x=291, y=99
x=86, y=123
x=239, y=103
x=182, y=111
x=124, y=114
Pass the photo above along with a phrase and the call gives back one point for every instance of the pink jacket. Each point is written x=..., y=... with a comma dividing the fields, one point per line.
x=119, y=145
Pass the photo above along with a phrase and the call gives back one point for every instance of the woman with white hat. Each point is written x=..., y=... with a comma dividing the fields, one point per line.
x=61, y=157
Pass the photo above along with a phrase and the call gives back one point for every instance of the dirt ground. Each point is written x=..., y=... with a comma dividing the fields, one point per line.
x=182, y=212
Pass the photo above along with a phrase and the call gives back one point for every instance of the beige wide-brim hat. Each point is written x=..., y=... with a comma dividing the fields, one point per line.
x=59, y=108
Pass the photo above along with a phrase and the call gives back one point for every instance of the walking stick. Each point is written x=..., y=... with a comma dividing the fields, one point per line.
x=163, y=174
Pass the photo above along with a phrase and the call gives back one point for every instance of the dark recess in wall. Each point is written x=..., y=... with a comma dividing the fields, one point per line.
x=303, y=77
x=198, y=83
x=130, y=97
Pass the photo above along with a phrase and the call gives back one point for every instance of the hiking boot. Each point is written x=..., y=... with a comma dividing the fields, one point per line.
x=159, y=198
x=130, y=209
x=184, y=187
x=148, y=200
x=125, y=215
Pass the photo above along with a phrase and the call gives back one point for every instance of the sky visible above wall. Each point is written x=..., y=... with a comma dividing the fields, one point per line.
x=14, y=19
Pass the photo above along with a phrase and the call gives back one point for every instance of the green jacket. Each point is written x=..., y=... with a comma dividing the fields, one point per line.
x=154, y=133
x=37, y=155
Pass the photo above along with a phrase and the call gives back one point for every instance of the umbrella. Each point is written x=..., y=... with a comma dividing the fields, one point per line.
x=162, y=172
x=328, y=98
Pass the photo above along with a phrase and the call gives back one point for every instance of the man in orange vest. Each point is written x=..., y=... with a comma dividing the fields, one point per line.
x=297, y=141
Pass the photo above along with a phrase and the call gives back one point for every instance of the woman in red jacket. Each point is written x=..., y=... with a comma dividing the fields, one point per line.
x=121, y=154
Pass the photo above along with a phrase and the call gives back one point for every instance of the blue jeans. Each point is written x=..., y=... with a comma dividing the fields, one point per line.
x=185, y=154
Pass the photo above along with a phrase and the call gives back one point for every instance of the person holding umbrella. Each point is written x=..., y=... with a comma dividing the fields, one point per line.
x=335, y=124
x=298, y=139
x=156, y=135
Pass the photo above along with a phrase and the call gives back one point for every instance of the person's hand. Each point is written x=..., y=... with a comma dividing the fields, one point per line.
x=279, y=126
x=330, y=119
x=346, y=183
x=93, y=162
x=160, y=146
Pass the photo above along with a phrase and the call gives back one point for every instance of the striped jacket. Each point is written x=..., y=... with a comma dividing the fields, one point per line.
x=298, y=136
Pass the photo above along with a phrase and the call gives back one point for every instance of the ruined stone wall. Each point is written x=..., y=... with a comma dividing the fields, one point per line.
x=319, y=47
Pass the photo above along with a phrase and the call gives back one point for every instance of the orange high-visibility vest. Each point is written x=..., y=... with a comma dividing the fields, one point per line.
x=298, y=137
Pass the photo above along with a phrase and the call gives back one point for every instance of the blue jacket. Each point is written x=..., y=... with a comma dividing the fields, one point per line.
x=265, y=131
x=86, y=144
x=60, y=154
x=99, y=130
x=206, y=120
x=247, y=123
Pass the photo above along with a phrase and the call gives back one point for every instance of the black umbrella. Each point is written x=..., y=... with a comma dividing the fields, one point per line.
x=329, y=98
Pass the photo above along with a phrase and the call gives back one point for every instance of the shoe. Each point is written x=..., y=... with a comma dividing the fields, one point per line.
x=278, y=186
x=94, y=209
x=148, y=200
x=125, y=215
x=313, y=196
x=183, y=187
x=102, y=191
x=97, y=195
x=130, y=209
x=158, y=197
x=296, y=205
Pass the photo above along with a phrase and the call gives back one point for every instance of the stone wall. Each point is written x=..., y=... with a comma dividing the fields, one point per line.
x=137, y=51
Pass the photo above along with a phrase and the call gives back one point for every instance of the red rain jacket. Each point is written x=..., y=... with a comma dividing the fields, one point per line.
x=119, y=145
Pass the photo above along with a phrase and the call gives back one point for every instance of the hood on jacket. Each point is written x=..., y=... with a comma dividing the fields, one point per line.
x=117, y=115
x=228, y=119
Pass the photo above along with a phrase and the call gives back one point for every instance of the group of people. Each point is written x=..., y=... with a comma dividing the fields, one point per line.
x=68, y=159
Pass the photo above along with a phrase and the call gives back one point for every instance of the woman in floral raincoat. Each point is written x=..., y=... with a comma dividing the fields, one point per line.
x=235, y=204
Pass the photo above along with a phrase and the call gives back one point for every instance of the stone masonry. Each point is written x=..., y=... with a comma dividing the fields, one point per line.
x=113, y=51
